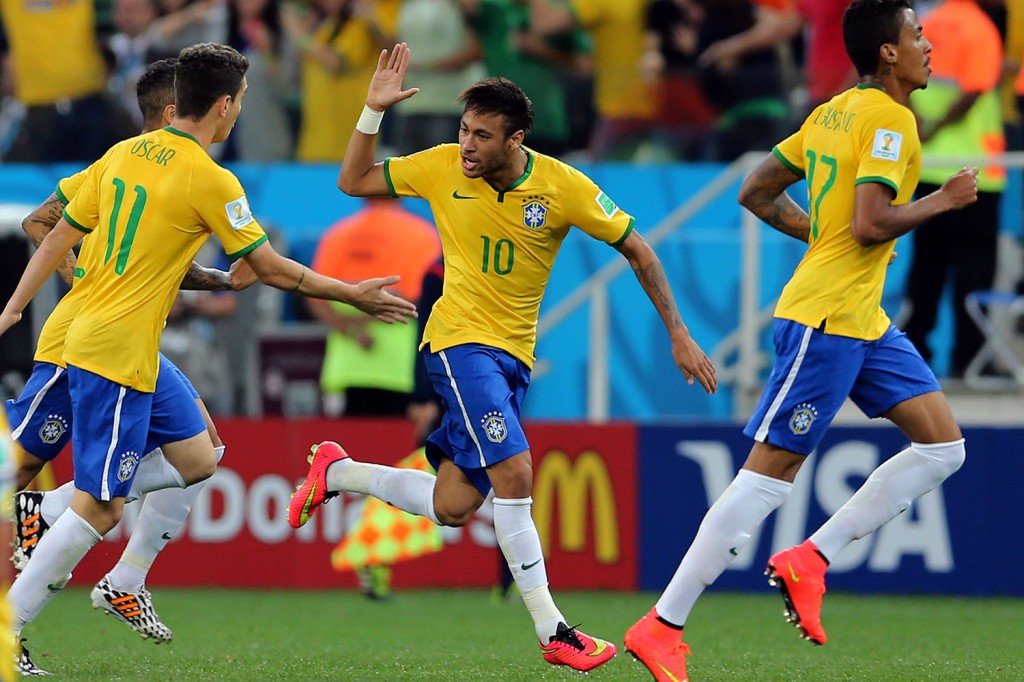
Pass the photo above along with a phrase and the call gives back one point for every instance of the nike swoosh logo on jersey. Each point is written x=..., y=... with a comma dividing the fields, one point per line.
x=456, y=195
x=527, y=567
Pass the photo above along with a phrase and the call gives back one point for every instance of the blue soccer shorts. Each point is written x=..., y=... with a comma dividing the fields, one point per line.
x=815, y=372
x=41, y=418
x=106, y=441
x=481, y=390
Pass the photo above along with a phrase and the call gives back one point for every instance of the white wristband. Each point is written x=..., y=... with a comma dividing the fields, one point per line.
x=369, y=121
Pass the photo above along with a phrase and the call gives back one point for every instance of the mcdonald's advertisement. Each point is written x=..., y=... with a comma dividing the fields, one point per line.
x=584, y=503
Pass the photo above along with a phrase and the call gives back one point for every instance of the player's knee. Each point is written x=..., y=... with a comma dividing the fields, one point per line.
x=946, y=458
x=453, y=517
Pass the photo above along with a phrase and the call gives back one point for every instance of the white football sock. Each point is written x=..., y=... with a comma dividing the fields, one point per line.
x=56, y=555
x=55, y=502
x=725, y=530
x=520, y=543
x=410, y=490
x=888, y=492
x=154, y=473
x=162, y=516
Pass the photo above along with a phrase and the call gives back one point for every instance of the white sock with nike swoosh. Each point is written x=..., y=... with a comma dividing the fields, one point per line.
x=725, y=530
x=163, y=514
x=520, y=543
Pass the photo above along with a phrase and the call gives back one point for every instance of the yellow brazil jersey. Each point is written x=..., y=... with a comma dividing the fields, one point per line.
x=54, y=49
x=499, y=244
x=148, y=205
x=861, y=135
x=50, y=347
x=617, y=29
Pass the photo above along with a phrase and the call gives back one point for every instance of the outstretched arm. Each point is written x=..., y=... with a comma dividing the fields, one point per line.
x=360, y=175
x=763, y=193
x=688, y=356
x=370, y=295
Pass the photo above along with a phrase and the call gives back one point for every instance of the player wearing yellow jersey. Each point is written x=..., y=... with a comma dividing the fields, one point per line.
x=861, y=156
x=151, y=202
x=502, y=212
x=42, y=418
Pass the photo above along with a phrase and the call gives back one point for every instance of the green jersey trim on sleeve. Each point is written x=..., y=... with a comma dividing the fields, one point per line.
x=785, y=162
x=75, y=224
x=629, y=229
x=239, y=254
x=879, y=179
x=60, y=195
x=387, y=177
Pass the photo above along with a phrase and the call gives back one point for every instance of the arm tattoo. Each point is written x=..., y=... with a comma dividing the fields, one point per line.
x=40, y=223
x=199, y=278
x=652, y=278
x=769, y=202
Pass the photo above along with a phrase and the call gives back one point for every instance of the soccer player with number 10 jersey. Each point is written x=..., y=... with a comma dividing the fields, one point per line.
x=502, y=211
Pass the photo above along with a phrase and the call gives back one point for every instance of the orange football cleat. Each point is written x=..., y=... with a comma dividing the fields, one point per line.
x=799, y=573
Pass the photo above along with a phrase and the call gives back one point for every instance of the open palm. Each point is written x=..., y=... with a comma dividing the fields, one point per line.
x=386, y=85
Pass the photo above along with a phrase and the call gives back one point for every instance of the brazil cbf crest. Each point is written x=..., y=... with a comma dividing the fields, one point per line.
x=803, y=416
x=535, y=212
x=53, y=428
x=126, y=468
x=494, y=426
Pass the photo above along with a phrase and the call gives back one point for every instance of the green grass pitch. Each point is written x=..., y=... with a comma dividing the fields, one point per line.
x=460, y=635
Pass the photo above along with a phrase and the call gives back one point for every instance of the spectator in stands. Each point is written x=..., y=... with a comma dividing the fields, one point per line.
x=686, y=117
x=339, y=41
x=59, y=77
x=130, y=48
x=368, y=366
x=747, y=88
x=827, y=69
x=626, y=104
x=437, y=31
x=958, y=115
x=265, y=133
x=540, y=65
x=183, y=23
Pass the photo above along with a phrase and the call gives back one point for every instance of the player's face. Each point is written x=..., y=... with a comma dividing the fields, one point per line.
x=234, y=109
x=913, y=49
x=486, y=150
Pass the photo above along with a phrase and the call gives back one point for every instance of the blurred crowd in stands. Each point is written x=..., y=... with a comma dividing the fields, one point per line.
x=644, y=80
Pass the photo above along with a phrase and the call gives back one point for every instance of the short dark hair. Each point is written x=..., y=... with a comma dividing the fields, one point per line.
x=500, y=96
x=155, y=90
x=205, y=73
x=869, y=24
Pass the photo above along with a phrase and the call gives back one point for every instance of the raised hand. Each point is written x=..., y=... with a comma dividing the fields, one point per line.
x=386, y=84
x=372, y=298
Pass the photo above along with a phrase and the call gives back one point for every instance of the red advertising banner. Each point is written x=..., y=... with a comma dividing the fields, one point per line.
x=238, y=535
